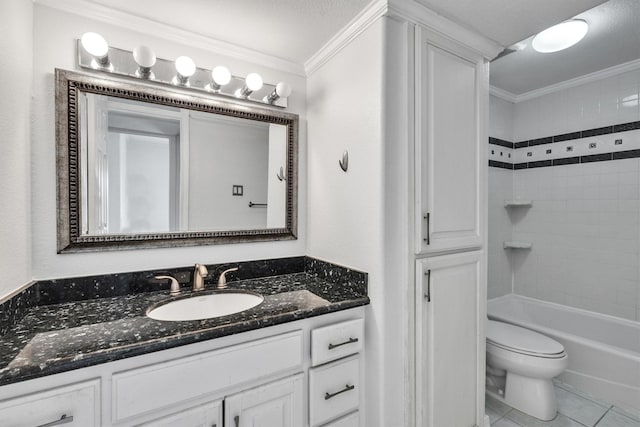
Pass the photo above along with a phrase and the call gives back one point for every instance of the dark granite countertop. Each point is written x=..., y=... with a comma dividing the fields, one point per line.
x=55, y=338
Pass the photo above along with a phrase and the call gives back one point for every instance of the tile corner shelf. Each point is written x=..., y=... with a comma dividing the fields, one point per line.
x=518, y=203
x=517, y=245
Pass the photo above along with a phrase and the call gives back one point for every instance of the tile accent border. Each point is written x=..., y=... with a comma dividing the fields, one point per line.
x=599, y=157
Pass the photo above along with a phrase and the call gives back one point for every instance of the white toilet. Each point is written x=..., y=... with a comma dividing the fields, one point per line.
x=520, y=366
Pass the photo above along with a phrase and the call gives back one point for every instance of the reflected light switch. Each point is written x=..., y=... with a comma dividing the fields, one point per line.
x=237, y=190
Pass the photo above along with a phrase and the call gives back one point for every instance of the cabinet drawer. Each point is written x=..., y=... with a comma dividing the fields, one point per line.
x=178, y=382
x=80, y=401
x=209, y=414
x=351, y=420
x=334, y=390
x=335, y=341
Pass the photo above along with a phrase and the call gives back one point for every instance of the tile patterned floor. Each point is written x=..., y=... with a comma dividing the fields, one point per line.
x=575, y=409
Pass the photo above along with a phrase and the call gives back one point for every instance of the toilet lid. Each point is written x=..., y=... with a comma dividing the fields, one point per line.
x=521, y=339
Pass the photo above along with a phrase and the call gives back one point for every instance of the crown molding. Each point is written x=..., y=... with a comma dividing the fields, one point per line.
x=417, y=13
x=188, y=38
x=503, y=94
x=355, y=27
x=567, y=84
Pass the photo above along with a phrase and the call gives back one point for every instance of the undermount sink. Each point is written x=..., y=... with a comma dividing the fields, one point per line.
x=200, y=307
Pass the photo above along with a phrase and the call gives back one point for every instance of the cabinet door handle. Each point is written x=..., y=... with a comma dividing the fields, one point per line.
x=427, y=294
x=236, y=420
x=347, y=387
x=64, y=419
x=427, y=238
x=349, y=341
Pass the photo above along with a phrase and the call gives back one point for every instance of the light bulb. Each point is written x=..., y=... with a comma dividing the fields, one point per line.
x=185, y=66
x=283, y=90
x=144, y=56
x=95, y=44
x=254, y=81
x=560, y=37
x=221, y=75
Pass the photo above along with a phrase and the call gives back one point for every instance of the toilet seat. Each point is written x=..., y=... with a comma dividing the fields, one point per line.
x=523, y=341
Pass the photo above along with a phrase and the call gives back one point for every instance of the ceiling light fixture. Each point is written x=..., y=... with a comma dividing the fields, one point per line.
x=560, y=37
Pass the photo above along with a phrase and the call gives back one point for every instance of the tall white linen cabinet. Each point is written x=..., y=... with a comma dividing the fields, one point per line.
x=405, y=92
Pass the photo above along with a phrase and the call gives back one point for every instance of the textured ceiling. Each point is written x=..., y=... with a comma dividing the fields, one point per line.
x=509, y=21
x=289, y=29
x=613, y=38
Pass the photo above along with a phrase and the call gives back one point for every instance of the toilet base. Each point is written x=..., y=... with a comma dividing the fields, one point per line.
x=535, y=397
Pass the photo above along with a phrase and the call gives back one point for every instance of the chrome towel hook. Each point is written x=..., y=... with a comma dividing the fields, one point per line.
x=344, y=162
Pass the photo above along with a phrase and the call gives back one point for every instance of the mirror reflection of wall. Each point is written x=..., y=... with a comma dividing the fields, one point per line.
x=149, y=168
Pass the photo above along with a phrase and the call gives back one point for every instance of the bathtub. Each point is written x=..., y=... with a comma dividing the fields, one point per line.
x=604, y=351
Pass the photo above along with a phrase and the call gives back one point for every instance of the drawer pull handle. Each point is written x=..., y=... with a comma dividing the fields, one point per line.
x=349, y=341
x=236, y=420
x=348, y=387
x=63, y=420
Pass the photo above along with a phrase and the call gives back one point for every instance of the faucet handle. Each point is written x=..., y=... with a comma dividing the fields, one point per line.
x=222, y=281
x=175, y=286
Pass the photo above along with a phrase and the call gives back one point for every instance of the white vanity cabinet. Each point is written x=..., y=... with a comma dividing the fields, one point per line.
x=74, y=405
x=450, y=110
x=450, y=340
x=252, y=379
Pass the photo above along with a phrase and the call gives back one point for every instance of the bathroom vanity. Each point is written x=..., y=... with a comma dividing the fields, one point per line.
x=296, y=359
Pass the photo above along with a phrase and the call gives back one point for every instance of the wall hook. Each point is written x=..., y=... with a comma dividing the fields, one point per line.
x=344, y=162
x=280, y=175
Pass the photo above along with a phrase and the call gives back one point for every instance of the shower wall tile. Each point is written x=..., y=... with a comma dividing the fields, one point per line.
x=500, y=189
x=585, y=229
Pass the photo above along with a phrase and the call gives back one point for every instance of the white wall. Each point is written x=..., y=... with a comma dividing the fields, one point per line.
x=501, y=118
x=585, y=228
x=54, y=46
x=360, y=218
x=15, y=189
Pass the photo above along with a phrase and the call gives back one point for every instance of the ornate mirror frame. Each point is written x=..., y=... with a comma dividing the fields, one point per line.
x=70, y=238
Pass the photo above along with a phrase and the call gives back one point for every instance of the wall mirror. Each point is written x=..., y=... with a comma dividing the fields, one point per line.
x=143, y=166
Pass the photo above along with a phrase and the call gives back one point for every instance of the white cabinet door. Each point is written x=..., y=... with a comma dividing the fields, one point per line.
x=451, y=119
x=73, y=405
x=277, y=404
x=450, y=314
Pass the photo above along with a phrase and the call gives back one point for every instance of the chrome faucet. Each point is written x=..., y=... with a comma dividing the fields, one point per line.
x=198, y=277
x=222, y=280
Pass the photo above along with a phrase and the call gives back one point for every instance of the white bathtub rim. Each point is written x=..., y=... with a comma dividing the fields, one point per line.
x=627, y=354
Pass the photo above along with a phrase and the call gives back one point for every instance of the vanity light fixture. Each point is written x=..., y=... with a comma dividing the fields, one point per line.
x=185, y=68
x=220, y=76
x=252, y=82
x=95, y=54
x=97, y=47
x=561, y=36
x=282, y=90
x=145, y=57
